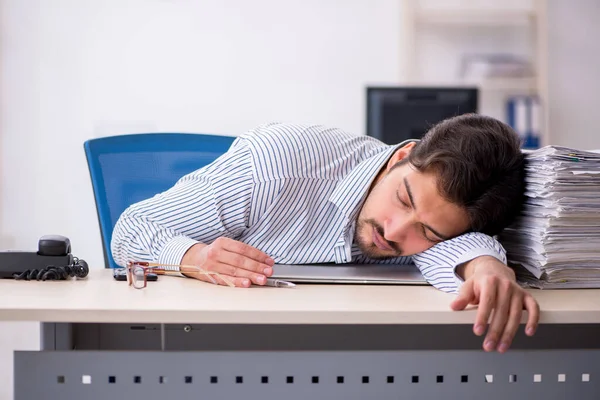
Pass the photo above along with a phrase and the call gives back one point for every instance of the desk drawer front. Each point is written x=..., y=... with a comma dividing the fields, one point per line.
x=537, y=374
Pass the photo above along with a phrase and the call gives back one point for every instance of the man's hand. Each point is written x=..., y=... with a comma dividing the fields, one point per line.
x=492, y=285
x=241, y=263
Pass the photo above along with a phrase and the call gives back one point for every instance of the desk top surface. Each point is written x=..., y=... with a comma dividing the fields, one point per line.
x=99, y=298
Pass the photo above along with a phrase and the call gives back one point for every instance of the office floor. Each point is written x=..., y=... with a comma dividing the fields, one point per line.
x=14, y=336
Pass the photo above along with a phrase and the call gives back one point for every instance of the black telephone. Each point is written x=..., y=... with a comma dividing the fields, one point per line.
x=52, y=261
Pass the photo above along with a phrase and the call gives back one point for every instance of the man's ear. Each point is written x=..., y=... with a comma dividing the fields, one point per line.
x=400, y=154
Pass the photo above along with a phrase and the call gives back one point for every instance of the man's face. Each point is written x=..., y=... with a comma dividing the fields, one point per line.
x=404, y=213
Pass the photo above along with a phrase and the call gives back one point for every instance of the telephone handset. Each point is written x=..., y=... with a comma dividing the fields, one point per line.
x=52, y=261
x=54, y=245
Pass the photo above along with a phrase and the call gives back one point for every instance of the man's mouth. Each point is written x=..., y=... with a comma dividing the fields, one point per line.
x=380, y=242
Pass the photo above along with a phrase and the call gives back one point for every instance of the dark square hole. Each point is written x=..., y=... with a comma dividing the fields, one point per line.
x=365, y=379
x=390, y=379
x=60, y=379
x=264, y=379
x=289, y=379
x=112, y=379
x=340, y=379
x=188, y=379
x=214, y=379
x=315, y=379
x=239, y=379
x=464, y=378
x=137, y=379
x=439, y=378
x=415, y=379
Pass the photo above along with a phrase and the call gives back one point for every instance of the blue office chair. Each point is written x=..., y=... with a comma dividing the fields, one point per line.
x=126, y=169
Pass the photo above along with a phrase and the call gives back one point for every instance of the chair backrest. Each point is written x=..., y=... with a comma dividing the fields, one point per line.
x=126, y=169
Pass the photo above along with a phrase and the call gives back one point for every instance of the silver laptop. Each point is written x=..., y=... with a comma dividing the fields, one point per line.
x=350, y=273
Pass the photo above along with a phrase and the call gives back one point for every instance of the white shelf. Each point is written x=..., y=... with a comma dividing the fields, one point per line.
x=475, y=17
x=427, y=21
x=521, y=85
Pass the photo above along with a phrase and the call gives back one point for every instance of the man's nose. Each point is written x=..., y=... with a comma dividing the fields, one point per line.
x=396, y=228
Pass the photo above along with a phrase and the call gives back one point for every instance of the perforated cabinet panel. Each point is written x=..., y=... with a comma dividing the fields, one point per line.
x=538, y=374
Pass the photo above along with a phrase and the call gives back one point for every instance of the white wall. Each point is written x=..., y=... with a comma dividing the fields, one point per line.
x=574, y=73
x=72, y=70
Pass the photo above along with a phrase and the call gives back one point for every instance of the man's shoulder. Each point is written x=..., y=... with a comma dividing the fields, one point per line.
x=284, y=134
x=309, y=151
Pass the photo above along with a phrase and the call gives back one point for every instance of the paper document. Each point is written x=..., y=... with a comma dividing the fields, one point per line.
x=555, y=243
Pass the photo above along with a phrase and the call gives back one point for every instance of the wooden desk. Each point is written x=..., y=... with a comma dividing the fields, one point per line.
x=320, y=341
x=101, y=299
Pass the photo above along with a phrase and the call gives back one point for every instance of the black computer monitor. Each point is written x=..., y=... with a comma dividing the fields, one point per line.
x=395, y=114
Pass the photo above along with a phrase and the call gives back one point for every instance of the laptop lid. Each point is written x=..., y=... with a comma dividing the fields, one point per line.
x=350, y=273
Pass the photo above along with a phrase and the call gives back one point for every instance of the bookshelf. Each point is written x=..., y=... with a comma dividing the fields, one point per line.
x=438, y=33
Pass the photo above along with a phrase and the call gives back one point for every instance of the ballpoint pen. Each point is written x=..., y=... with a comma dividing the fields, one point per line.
x=279, y=283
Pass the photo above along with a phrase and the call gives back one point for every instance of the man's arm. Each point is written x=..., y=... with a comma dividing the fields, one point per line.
x=480, y=262
x=439, y=263
x=209, y=204
x=492, y=286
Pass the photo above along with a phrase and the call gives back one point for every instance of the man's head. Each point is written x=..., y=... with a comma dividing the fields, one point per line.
x=466, y=174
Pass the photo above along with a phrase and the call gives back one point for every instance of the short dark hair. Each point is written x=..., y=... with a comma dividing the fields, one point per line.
x=479, y=165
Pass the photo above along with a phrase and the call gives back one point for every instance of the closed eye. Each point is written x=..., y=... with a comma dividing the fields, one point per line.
x=423, y=229
x=424, y=233
x=405, y=204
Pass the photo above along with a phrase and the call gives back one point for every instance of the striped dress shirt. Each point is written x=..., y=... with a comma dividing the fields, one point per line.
x=292, y=191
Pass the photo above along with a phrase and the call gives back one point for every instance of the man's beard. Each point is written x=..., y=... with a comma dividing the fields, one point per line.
x=369, y=249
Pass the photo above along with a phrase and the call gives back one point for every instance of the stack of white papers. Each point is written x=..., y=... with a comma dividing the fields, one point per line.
x=555, y=243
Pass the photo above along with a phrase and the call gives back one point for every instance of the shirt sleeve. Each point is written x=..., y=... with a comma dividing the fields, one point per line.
x=211, y=202
x=438, y=264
